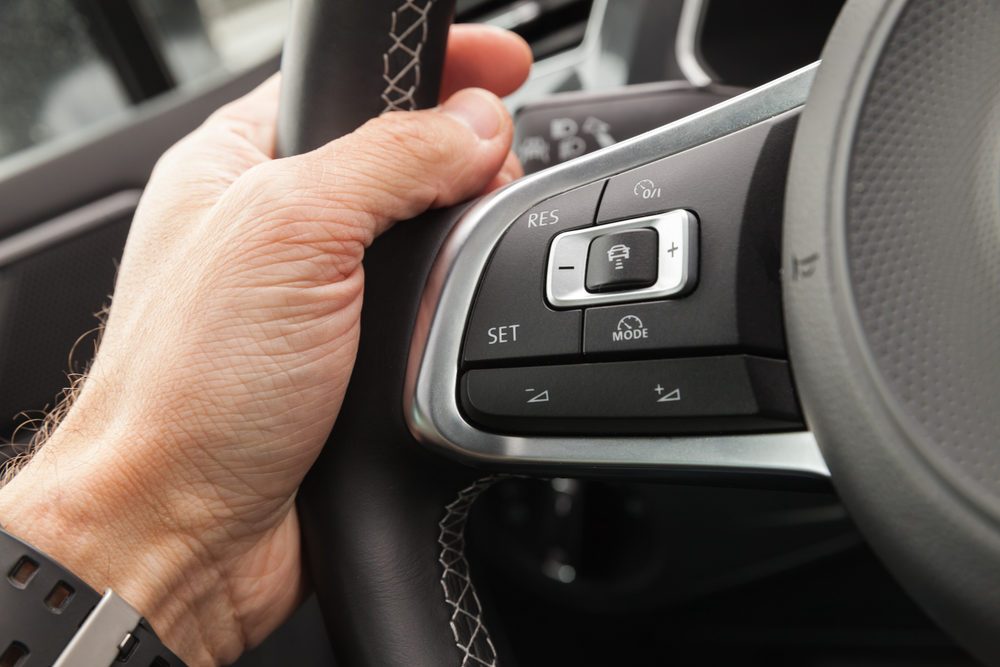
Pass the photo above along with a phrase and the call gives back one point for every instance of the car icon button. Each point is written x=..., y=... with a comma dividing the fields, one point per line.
x=623, y=261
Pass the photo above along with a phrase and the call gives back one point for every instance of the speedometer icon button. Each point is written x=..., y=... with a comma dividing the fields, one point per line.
x=629, y=327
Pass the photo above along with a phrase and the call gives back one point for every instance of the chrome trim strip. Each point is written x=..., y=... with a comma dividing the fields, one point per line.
x=594, y=64
x=686, y=44
x=66, y=226
x=514, y=16
x=430, y=400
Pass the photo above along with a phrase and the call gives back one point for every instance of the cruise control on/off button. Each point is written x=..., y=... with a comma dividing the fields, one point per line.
x=622, y=261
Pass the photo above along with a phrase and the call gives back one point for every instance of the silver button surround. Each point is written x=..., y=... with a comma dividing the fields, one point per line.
x=677, y=230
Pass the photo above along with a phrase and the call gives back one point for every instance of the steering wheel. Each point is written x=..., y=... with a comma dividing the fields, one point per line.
x=643, y=310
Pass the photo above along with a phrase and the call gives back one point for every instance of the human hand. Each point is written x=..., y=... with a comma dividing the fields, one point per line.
x=228, y=348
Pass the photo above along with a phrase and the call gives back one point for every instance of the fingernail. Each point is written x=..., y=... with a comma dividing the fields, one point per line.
x=476, y=108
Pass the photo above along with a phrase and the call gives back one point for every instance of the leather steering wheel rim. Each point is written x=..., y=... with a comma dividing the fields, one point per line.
x=383, y=519
x=891, y=293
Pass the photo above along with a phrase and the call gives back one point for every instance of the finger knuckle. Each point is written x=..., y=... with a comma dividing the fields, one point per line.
x=413, y=137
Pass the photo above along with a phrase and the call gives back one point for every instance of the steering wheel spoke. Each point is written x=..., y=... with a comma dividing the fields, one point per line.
x=531, y=368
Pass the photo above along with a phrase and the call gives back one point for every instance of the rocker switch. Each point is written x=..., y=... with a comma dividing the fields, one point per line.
x=622, y=261
x=642, y=259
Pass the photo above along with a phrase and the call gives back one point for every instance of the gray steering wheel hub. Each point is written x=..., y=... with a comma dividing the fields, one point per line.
x=892, y=291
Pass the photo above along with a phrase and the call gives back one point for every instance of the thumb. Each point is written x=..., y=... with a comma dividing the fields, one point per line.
x=392, y=168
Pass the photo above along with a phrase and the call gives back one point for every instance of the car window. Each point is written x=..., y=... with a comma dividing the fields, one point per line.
x=201, y=37
x=66, y=65
x=53, y=79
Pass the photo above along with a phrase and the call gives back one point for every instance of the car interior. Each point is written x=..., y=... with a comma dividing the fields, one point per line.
x=601, y=388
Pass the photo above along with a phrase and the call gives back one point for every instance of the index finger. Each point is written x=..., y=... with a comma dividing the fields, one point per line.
x=481, y=56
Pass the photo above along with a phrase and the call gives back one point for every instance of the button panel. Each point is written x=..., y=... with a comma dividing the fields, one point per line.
x=736, y=392
x=510, y=319
x=677, y=261
x=574, y=315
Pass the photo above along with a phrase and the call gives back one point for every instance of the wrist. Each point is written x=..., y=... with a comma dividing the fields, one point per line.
x=100, y=520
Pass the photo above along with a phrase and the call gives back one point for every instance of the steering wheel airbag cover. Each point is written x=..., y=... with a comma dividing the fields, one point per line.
x=892, y=288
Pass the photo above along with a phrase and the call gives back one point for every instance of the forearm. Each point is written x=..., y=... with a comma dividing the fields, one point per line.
x=95, y=515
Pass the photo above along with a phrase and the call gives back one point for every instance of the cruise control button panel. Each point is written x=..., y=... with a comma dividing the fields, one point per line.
x=635, y=260
x=593, y=301
x=701, y=394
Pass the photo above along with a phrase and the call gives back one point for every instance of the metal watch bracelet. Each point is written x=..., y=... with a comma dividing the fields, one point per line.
x=49, y=616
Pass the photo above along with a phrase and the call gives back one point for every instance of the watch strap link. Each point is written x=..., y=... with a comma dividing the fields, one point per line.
x=49, y=616
x=147, y=650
